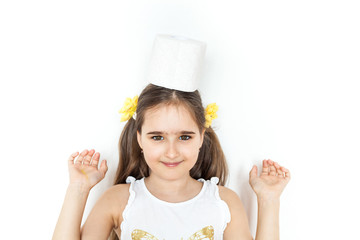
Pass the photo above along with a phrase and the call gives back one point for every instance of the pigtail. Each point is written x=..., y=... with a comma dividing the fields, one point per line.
x=131, y=160
x=211, y=161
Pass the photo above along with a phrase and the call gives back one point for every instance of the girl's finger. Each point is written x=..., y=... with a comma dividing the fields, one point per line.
x=272, y=168
x=72, y=157
x=103, y=167
x=253, y=172
x=265, y=169
x=278, y=170
x=95, y=160
x=88, y=157
x=287, y=173
x=79, y=160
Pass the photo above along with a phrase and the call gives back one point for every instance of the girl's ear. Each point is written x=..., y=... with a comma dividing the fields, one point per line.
x=138, y=135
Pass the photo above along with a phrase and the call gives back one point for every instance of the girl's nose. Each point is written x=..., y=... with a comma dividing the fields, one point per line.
x=171, y=151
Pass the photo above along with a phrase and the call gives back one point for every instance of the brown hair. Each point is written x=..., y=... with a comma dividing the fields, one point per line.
x=211, y=160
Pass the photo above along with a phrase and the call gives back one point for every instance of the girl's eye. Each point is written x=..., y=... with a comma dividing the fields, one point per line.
x=157, y=138
x=185, y=137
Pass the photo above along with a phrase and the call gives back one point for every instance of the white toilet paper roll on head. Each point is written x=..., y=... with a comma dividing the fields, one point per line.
x=176, y=62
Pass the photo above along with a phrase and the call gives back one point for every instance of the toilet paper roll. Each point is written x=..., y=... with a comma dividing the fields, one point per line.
x=176, y=62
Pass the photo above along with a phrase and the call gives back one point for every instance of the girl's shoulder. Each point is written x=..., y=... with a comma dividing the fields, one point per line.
x=237, y=213
x=225, y=191
x=119, y=191
x=118, y=195
x=229, y=196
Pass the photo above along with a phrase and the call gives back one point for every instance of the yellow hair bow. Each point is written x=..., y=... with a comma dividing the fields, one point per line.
x=210, y=113
x=129, y=108
x=130, y=105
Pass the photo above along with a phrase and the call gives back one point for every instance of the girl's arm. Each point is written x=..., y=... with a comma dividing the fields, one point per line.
x=268, y=188
x=68, y=224
x=84, y=174
x=268, y=219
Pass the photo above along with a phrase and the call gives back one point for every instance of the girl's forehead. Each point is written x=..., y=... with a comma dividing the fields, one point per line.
x=169, y=118
x=163, y=109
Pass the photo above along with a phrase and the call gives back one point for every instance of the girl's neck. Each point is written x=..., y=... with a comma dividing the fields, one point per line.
x=163, y=188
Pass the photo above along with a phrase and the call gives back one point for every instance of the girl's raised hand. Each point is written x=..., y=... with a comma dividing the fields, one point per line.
x=272, y=180
x=84, y=171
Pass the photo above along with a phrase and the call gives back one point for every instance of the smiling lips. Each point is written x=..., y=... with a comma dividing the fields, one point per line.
x=174, y=164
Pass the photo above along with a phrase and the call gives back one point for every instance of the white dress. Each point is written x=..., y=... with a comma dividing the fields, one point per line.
x=146, y=217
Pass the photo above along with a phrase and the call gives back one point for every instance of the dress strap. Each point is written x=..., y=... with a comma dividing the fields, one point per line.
x=130, y=179
x=201, y=180
x=214, y=180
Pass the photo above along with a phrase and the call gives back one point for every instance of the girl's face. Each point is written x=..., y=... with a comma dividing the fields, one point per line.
x=170, y=140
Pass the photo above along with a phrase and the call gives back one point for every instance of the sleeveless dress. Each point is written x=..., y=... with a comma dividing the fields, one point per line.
x=146, y=217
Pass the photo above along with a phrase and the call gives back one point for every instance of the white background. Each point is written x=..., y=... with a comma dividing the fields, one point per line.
x=285, y=75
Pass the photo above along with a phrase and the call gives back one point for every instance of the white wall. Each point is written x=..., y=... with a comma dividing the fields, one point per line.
x=284, y=73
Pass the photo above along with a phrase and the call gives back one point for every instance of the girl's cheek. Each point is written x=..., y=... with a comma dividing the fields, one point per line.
x=154, y=150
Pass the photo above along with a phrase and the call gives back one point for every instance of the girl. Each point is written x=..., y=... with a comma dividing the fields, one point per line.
x=166, y=182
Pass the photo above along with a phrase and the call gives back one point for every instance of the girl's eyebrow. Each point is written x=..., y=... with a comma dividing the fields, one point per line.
x=159, y=132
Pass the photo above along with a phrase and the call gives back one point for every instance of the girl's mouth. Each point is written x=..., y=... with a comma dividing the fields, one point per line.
x=174, y=164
